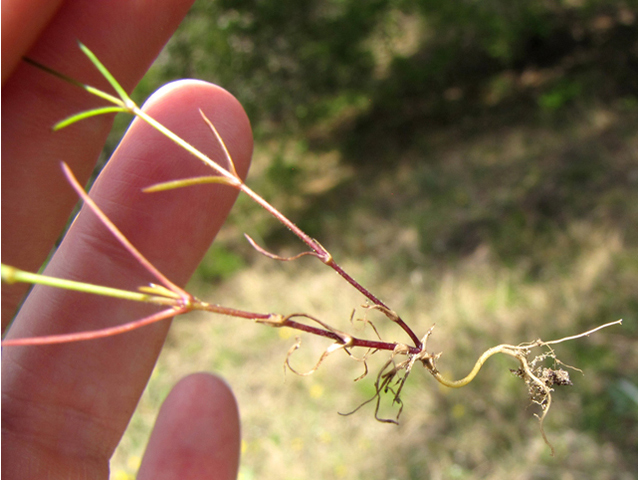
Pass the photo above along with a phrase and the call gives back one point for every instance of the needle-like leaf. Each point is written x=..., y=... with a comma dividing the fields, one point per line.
x=87, y=114
x=105, y=73
x=14, y=275
x=187, y=182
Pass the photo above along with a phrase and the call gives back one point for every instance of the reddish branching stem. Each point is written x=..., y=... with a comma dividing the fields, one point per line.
x=184, y=302
x=376, y=301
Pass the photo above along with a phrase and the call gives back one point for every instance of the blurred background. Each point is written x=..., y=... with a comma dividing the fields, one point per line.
x=474, y=164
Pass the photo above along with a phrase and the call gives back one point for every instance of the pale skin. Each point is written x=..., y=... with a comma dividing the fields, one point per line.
x=65, y=407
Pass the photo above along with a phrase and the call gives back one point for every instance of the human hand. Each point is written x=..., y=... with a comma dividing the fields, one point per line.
x=65, y=407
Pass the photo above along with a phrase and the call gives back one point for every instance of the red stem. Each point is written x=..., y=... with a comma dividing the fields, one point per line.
x=375, y=300
x=356, y=342
x=94, y=334
x=320, y=252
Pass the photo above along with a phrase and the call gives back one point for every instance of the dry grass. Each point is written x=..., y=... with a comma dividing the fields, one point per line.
x=482, y=431
x=510, y=272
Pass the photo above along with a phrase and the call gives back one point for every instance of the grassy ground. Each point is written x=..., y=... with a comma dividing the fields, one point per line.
x=504, y=234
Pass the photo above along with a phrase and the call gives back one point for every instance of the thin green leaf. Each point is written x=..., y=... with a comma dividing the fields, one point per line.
x=88, y=88
x=54, y=72
x=232, y=167
x=107, y=97
x=105, y=73
x=13, y=275
x=87, y=114
x=187, y=182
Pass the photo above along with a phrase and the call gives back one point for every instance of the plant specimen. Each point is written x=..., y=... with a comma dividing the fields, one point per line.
x=174, y=300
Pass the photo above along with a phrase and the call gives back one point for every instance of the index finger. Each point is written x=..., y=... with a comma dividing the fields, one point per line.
x=67, y=405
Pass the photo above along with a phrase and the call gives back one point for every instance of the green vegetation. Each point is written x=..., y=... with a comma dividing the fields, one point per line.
x=475, y=165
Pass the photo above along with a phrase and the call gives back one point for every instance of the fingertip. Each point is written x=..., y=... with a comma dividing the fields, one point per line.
x=218, y=104
x=197, y=433
x=146, y=157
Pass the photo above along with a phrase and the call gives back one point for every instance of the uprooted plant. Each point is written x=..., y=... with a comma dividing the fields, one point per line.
x=540, y=380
